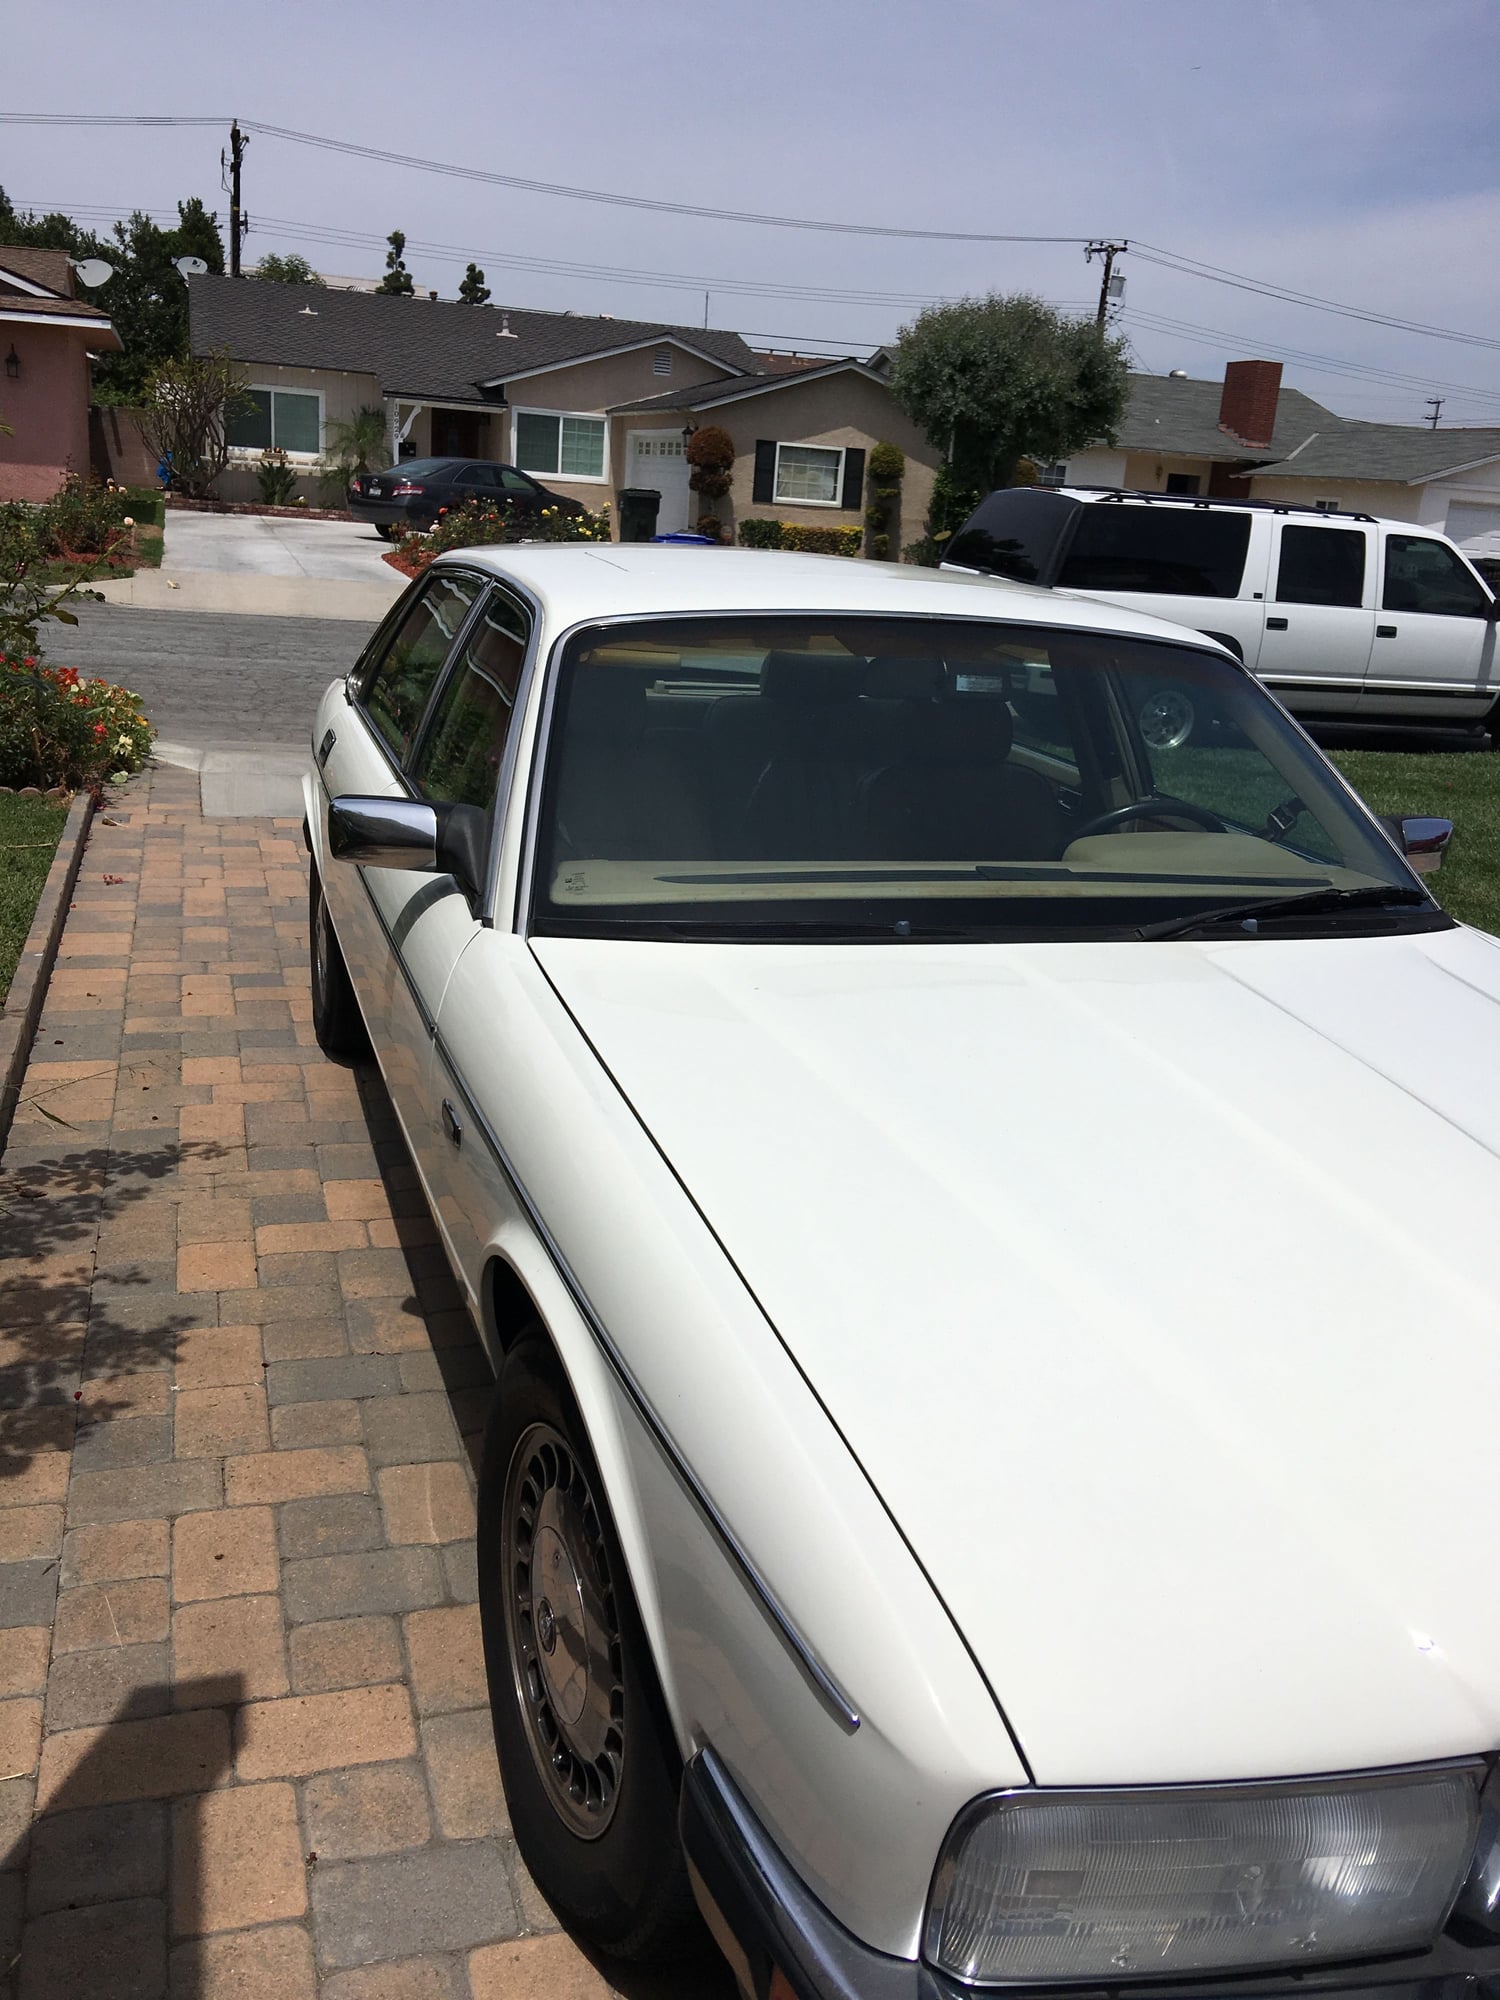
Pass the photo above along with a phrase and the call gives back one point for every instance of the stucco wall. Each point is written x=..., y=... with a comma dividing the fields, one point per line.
x=1384, y=497
x=343, y=392
x=838, y=410
x=47, y=409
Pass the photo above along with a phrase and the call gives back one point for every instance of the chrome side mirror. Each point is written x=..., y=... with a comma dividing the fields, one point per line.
x=383, y=833
x=1422, y=841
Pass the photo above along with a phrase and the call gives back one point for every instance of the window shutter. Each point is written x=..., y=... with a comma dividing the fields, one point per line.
x=854, y=478
x=764, y=491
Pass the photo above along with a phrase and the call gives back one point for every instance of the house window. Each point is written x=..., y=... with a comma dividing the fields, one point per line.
x=566, y=447
x=808, y=474
x=661, y=361
x=1055, y=474
x=1182, y=482
x=280, y=420
x=1326, y=506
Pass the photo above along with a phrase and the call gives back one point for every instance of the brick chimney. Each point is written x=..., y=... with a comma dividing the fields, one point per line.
x=1247, y=408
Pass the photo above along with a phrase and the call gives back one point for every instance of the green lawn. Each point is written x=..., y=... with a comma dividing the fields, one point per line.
x=1463, y=786
x=29, y=831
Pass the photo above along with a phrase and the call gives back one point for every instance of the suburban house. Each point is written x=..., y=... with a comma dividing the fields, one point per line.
x=1248, y=438
x=588, y=404
x=47, y=334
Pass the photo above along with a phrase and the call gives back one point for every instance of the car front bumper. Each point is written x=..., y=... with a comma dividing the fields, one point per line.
x=763, y=1917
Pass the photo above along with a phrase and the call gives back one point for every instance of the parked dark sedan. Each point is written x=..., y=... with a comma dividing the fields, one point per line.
x=411, y=495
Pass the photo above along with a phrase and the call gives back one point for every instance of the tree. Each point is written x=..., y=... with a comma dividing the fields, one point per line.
x=397, y=279
x=474, y=291
x=992, y=380
x=46, y=232
x=289, y=270
x=189, y=402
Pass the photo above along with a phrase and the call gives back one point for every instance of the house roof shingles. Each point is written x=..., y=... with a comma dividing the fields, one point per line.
x=758, y=382
x=52, y=269
x=434, y=350
x=1406, y=452
x=1180, y=415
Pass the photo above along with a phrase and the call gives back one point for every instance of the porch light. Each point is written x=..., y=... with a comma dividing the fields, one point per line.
x=687, y=431
x=13, y=364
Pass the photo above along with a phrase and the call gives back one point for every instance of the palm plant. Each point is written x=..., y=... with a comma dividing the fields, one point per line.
x=356, y=444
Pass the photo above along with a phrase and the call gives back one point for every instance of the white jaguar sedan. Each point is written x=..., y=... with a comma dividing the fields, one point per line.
x=985, y=1227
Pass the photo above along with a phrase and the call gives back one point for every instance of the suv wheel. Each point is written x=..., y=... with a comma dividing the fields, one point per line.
x=1166, y=719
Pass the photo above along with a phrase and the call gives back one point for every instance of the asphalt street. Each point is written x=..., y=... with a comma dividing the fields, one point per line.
x=211, y=678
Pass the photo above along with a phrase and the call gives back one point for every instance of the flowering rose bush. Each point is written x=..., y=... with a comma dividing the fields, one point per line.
x=474, y=525
x=56, y=728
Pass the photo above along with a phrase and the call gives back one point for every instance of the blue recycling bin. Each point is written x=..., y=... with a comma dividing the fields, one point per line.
x=685, y=540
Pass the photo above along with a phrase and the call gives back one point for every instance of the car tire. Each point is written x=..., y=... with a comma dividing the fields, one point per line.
x=590, y=1765
x=385, y=531
x=337, y=1021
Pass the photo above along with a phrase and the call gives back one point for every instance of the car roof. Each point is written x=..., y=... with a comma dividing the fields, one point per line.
x=575, y=583
x=1125, y=496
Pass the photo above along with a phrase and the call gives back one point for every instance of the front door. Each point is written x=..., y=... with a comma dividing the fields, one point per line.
x=658, y=459
x=1320, y=617
x=458, y=433
x=1434, y=651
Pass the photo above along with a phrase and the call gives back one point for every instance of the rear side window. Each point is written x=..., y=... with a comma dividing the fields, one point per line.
x=1321, y=566
x=1179, y=551
x=1014, y=533
x=1423, y=575
x=404, y=674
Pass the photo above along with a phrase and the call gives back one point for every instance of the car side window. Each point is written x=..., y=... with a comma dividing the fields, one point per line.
x=459, y=760
x=1423, y=575
x=1321, y=566
x=479, y=475
x=516, y=482
x=400, y=680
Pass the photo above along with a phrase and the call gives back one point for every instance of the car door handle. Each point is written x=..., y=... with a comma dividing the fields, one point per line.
x=330, y=737
x=1275, y=624
x=451, y=1123
x=1385, y=631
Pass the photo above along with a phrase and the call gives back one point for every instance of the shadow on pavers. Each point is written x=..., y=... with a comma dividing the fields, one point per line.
x=61, y=1319
x=129, y=1828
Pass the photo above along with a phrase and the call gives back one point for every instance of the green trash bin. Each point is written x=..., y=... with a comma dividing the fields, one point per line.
x=639, y=506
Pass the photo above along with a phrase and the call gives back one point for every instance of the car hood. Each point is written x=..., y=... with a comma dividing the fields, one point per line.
x=1156, y=1287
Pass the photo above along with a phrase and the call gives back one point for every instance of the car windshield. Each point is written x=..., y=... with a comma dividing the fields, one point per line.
x=830, y=776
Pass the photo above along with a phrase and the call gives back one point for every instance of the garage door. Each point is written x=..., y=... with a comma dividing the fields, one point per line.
x=1467, y=522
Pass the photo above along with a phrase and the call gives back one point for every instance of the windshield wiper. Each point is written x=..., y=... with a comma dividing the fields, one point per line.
x=1312, y=904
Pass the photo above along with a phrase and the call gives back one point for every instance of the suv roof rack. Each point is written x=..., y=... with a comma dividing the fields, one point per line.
x=1214, y=500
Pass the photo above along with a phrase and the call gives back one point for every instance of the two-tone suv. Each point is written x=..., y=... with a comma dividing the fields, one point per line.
x=1339, y=614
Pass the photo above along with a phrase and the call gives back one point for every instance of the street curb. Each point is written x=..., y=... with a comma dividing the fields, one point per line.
x=23, y=1004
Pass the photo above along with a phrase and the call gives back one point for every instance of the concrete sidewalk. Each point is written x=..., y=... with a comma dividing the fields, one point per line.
x=243, y=1722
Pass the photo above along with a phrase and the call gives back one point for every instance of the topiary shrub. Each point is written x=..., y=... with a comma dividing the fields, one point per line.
x=710, y=452
x=887, y=467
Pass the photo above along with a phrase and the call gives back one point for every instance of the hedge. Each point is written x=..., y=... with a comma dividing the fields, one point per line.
x=808, y=541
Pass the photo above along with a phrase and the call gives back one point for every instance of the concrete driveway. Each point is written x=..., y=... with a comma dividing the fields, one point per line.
x=268, y=545
x=265, y=566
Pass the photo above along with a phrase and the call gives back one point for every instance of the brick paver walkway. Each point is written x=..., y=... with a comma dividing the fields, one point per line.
x=244, y=1749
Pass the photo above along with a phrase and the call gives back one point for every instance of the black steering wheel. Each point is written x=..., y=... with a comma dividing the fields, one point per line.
x=1164, y=808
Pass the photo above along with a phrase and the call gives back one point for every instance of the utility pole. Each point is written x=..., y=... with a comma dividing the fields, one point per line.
x=1435, y=404
x=1110, y=287
x=238, y=223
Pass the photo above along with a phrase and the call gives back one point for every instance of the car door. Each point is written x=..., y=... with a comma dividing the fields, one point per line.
x=1203, y=566
x=458, y=766
x=1433, y=656
x=477, y=482
x=1320, y=616
x=389, y=694
x=521, y=492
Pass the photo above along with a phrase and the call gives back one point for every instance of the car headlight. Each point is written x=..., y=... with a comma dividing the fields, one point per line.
x=1039, y=1887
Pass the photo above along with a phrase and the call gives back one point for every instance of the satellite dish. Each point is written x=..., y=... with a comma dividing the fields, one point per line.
x=93, y=271
x=191, y=267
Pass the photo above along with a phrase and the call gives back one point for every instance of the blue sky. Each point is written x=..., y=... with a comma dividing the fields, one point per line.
x=1348, y=148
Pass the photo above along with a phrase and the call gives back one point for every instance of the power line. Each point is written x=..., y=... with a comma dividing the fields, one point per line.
x=486, y=176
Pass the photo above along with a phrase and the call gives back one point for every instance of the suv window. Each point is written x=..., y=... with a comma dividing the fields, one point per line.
x=1423, y=575
x=1187, y=552
x=459, y=761
x=402, y=677
x=1321, y=566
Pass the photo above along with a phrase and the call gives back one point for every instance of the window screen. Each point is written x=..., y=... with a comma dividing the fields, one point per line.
x=1422, y=575
x=403, y=677
x=1174, y=550
x=1321, y=566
